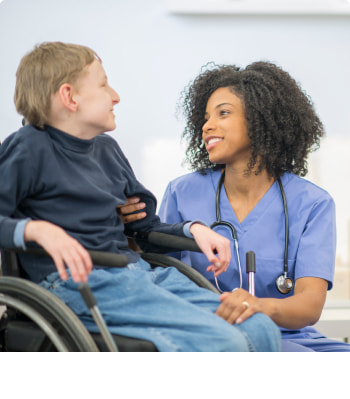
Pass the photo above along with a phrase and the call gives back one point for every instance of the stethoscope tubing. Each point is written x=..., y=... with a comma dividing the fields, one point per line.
x=280, y=286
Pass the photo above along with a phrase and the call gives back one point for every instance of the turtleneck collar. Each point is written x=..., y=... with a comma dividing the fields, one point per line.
x=68, y=141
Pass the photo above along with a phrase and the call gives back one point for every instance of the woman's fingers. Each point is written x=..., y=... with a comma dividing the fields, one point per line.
x=127, y=210
x=236, y=306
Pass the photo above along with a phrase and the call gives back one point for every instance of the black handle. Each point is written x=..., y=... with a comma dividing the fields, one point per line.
x=250, y=261
x=88, y=296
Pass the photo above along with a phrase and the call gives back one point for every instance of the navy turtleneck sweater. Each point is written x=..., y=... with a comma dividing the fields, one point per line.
x=73, y=183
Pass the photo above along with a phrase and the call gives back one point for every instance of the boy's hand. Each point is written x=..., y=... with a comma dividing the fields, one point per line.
x=209, y=241
x=126, y=211
x=64, y=249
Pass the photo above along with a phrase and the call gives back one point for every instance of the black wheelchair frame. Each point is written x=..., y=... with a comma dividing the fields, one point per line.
x=35, y=320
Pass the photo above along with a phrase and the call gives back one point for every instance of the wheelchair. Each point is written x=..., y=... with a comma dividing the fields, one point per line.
x=35, y=320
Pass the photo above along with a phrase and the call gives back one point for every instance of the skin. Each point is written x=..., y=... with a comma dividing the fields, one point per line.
x=226, y=138
x=85, y=110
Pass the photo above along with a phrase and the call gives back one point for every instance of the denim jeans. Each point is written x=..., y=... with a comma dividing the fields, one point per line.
x=163, y=306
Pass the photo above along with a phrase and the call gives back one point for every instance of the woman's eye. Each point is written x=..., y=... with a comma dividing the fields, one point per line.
x=224, y=112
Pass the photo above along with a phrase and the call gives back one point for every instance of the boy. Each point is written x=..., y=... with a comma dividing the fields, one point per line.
x=62, y=180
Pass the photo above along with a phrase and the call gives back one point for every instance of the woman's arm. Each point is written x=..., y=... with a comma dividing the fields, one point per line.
x=302, y=309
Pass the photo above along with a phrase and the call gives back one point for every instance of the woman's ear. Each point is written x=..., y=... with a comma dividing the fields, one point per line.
x=66, y=94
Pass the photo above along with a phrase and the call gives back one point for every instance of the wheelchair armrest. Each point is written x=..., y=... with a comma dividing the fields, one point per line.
x=98, y=258
x=167, y=240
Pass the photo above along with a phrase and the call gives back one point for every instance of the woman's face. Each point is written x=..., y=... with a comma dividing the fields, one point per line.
x=225, y=131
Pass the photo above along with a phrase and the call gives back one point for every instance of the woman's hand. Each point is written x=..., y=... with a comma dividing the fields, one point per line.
x=209, y=241
x=126, y=211
x=301, y=309
x=237, y=306
x=64, y=249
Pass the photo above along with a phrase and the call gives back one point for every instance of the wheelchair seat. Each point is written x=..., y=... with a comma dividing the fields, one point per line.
x=36, y=320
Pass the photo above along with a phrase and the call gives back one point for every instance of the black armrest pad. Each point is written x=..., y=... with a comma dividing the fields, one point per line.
x=98, y=258
x=169, y=241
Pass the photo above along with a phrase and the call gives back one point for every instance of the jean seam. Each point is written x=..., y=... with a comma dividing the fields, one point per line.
x=165, y=339
x=251, y=347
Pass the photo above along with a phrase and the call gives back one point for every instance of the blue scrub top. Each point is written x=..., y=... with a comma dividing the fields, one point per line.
x=312, y=229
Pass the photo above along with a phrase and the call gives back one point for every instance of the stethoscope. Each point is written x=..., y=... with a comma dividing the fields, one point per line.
x=284, y=284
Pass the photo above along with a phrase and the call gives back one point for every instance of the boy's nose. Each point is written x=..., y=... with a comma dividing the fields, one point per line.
x=115, y=97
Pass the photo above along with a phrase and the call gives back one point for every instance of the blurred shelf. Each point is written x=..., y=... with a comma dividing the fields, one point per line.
x=335, y=319
x=260, y=7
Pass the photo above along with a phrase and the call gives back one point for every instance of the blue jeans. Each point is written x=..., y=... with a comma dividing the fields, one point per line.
x=163, y=306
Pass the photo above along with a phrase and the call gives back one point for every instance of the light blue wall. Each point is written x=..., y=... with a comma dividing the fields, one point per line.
x=150, y=55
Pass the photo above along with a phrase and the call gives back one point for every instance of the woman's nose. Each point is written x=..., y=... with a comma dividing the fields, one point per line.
x=208, y=125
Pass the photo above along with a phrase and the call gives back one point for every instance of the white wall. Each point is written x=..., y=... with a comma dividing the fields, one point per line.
x=150, y=55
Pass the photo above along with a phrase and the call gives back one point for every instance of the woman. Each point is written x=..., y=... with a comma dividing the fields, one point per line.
x=249, y=133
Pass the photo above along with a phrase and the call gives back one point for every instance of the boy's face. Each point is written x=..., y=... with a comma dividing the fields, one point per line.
x=96, y=100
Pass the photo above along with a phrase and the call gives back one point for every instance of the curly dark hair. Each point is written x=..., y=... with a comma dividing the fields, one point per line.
x=283, y=127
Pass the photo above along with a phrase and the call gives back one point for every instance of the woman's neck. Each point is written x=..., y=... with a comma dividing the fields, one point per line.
x=244, y=190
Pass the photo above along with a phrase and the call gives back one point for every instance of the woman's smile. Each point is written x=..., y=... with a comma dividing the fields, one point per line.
x=211, y=142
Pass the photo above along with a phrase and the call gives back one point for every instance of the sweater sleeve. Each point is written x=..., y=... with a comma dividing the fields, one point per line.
x=151, y=222
x=15, y=177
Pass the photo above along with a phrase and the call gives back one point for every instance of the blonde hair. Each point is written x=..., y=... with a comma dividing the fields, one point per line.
x=41, y=73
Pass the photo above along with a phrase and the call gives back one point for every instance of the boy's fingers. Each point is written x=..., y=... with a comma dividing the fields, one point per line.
x=80, y=264
x=86, y=258
x=60, y=266
x=77, y=260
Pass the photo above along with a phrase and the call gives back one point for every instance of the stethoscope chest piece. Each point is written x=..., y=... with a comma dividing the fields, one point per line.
x=284, y=284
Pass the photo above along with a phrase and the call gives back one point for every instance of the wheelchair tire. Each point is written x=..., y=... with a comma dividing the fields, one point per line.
x=71, y=331
x=155, y=259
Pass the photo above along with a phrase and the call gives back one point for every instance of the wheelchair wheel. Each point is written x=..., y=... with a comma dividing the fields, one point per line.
x=155, y=259
x=60, y=325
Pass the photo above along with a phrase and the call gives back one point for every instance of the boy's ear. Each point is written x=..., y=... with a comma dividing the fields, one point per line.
x=66, y=93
